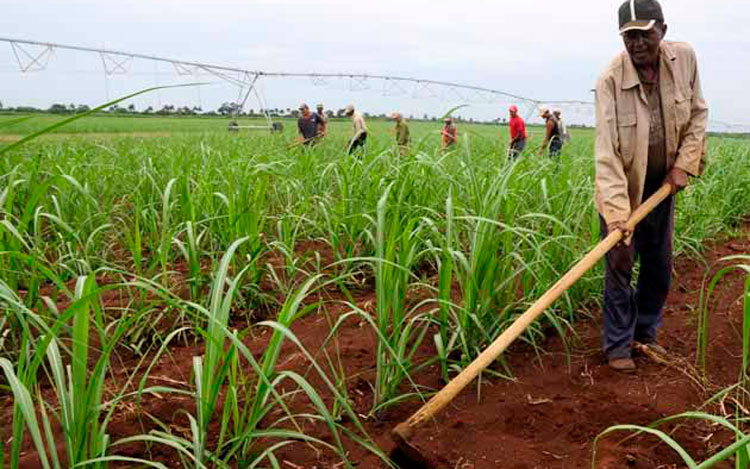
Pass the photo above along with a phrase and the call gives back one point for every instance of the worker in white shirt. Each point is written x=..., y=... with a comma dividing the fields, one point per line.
x=360, y=129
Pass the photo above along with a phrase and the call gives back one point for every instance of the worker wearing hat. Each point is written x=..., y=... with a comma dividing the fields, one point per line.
x=360, y=129
x=517, y=133
x=552, y=134
x=307, y=125
x=650, y=130
x=402, y=133
x=322, y=121
x=449, y=133
x=564, y=133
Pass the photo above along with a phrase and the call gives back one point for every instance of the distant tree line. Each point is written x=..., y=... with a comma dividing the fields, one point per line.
x=58, y=108
x=226, y=109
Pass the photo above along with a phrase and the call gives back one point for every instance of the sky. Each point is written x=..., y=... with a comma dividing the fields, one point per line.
x=543, y=49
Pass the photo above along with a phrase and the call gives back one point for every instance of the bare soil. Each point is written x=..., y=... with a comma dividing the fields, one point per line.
x=546, y=417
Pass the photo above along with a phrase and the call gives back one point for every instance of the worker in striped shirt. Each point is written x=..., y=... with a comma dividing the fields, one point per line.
x=449, y=133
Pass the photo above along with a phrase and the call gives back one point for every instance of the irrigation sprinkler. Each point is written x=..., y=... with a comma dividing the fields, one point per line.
x=274, y=127
x=404, y=431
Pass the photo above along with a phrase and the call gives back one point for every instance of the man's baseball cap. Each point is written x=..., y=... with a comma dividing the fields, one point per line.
x=303, y=106
x=640, y=15
x=513, y=108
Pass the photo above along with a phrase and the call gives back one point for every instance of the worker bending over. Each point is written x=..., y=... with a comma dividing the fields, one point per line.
x=359, y=138
x=449, y=133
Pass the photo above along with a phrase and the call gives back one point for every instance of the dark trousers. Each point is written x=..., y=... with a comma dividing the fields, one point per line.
x=555, y=146
x=636, y=314
x=357, y=142
x=516, y=148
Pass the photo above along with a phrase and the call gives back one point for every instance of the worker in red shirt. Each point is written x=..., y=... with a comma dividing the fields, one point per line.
x=517, y=133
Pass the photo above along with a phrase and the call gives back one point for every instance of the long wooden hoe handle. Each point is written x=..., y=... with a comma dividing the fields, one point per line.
x=405, y=429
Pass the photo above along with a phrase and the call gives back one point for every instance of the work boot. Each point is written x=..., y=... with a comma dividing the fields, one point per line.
x=656, y=348
x=624, y=365
x=651, y=346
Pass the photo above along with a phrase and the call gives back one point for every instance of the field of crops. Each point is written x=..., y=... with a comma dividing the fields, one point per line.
x=174, y=295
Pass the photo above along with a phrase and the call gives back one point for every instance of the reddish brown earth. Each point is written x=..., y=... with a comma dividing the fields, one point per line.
x=547, y=417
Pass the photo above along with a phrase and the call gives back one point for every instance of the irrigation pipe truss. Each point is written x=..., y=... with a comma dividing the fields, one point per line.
x=35, y=55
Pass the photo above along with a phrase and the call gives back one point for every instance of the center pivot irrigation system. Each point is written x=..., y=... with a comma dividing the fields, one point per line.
x=34, y=56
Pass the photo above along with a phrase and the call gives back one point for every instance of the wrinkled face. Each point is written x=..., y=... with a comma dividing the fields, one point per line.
x=643, y=46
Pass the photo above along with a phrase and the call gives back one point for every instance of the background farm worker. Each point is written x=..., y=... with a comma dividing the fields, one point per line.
x=640, y=145
x=552, y=136
x=308, y=125
x=402, y=133
x=360, y=129
x=563, y=128
x=322, y=121
x=449, y=133
x=517, y=133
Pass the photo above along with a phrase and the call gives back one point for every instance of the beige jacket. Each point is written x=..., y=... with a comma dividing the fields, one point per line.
x=622, y=127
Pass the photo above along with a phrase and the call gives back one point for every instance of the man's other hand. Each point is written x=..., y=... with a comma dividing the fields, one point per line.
x=622, y=226
x=678, y=179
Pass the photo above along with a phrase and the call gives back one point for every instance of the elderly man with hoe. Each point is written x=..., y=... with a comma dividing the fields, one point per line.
x=650, y=130
x=402, y=133
x=517, y=133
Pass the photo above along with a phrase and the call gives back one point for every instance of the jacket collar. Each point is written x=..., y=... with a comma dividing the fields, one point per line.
x=630, y=74
x=668, y=55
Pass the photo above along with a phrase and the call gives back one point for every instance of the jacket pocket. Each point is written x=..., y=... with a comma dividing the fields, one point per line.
x=627, y=130
x=683, y=107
